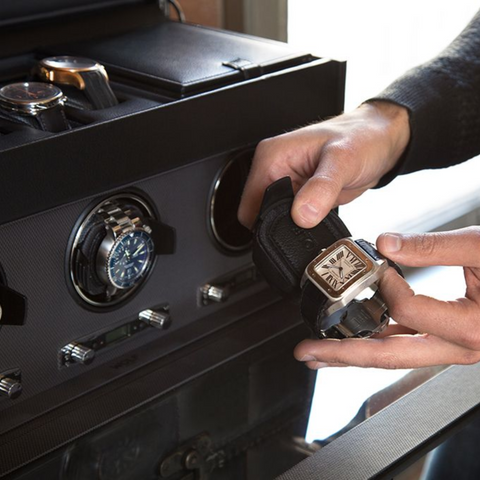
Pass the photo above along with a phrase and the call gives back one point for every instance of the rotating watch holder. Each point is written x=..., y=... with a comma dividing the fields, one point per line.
x=119, y=215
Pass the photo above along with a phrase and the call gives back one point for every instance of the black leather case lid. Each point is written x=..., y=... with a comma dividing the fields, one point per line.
x=185, y=58
x=14, y=12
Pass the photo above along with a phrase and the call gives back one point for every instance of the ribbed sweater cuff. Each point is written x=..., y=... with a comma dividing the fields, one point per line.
x=421, y=91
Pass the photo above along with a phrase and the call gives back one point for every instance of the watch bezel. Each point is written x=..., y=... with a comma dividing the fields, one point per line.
x=32, y=107
x=337, y=299
x=68, y=75
x=146, y=267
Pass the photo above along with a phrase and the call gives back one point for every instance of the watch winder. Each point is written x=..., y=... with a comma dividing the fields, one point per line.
x=112, y=229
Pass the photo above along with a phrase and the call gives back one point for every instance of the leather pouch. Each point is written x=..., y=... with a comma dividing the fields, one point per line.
x=281, y=249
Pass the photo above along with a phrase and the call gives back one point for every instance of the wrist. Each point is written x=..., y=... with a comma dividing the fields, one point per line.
x=393, y=120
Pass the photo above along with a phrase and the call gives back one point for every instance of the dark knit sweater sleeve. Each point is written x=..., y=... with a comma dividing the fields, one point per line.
x=443, y=99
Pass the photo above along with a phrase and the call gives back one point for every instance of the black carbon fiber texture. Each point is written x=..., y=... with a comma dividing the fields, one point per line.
x=33, y=253
x=379, y=447
x=268, y=329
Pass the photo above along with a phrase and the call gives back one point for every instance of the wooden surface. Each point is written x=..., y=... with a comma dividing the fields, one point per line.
x=204, y=12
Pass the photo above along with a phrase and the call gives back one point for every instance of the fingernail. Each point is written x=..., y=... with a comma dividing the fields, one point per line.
x=308, y=358
x=392, y=242
x=308, y=212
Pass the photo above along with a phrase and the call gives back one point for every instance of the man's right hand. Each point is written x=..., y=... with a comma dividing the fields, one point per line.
x=330, y=163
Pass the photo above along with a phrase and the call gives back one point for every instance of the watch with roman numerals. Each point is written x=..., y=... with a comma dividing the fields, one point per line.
x=340, y=296
x=335, y=276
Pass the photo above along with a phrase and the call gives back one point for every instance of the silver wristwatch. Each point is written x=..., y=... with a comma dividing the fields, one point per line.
x=340, y=296
x=126, y=254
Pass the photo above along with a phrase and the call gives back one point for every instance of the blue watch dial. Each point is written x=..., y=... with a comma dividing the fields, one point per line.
x=130, y=259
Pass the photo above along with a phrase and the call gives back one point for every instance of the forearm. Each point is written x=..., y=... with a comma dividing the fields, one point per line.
x=443, y=100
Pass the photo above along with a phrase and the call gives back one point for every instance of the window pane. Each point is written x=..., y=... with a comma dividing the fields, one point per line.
x=380, y=40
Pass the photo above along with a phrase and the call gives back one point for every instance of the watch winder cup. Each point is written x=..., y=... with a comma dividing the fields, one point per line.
x=227, y=232
x=114, y=249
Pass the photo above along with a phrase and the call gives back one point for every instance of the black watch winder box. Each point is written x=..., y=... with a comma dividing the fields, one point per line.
x=137, y=339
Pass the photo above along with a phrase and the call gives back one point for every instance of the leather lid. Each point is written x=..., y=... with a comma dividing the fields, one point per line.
x=186, y=58
x=15, y=12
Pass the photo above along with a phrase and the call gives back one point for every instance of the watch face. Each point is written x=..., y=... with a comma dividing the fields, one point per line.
x=339, y=267
x=67, y=62
x=30, y=93
x=130, y=259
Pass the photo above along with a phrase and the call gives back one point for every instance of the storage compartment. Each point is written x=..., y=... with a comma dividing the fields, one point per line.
x=190, y=101
x=180, y=59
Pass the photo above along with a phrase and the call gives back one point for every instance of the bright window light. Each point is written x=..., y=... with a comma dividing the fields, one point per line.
x=381, y=40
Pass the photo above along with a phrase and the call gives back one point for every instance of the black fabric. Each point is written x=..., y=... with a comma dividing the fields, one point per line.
x=98, y=90
x=281, y=249
x=443, y=99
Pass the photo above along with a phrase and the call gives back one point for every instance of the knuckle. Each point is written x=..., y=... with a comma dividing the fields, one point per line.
x=474, y=239
x=470, y=338
x=426, y=244
x=388, y=360
x=399, y=310
x=469, y=358
x=340, y=149
x=268, y=160
x=325, y=183
x=263, y=148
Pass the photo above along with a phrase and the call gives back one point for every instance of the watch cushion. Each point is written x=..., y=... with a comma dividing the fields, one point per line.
x=281, y=249
x=84, y=261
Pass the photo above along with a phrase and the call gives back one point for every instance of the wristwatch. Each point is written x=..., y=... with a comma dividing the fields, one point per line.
x=37, y=104
x=340, y=296
x=115, y=247
x=334, y=277
x=126, y=253
x=86, y=75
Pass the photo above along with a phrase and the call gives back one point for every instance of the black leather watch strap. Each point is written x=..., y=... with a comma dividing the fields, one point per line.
x=281, y=249
x=376, y=255
x=53, y=119
x=312, y=307
x=98, y=90
x=50, y=120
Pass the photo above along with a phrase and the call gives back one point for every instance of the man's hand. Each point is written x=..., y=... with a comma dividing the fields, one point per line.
x=330, y=163
x=449, y=331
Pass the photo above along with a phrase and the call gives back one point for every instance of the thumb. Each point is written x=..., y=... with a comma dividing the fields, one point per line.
x=457, y=247
x=320, y=193
x=314, y=201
